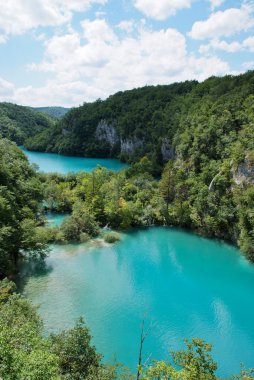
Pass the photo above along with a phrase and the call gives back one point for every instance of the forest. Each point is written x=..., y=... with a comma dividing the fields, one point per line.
x=54, y=112
x=191, y=149
x=198, y=138
x=172, y=121
x=17, y=123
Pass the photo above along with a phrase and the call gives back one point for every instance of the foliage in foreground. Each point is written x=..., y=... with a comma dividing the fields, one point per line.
x=26, y=355
x=20, y=194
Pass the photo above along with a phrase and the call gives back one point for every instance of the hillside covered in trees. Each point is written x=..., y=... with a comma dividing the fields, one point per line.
x=55, y=112
x=17, y=123
x=199, y=135
x=155, y=121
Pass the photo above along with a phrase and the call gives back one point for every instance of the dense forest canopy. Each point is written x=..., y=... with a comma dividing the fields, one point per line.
x=20, y=195
x=17, y=123
x=113, y=127
x=156, y=121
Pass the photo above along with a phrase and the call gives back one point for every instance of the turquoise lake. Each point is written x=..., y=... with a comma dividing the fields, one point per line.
x=187, y=285
x=51, y=162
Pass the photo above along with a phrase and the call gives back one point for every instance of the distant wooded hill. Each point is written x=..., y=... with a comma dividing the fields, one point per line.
x=190, y=119
x=17, y=123
x=56, y=112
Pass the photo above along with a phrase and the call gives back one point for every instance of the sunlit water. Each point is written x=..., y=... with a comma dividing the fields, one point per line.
x=51, y=162
x=55, y=219
x=188, y=286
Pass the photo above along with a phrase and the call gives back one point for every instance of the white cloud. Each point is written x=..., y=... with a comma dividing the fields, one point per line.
x=226, y=23
x=97, y=30
x=249, y=65
x=3, y=39
x=18, y=16
x=161, y=9
x=204, y=67
x=216, y=3
x=40, y=37
x=126, y=25
x=216, y=44
x=99, y=14
x=102, y=63
x=6, y=90
x=248, y=44
x=229, y=47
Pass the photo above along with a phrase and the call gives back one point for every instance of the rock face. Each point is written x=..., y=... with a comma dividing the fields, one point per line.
x=244, y=172
x=167, y=150
x=129, y=146
x=106, y=131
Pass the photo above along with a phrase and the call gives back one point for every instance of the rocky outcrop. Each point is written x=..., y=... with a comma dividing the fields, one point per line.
x=167, y=150
x=128, y=146
x=106, y=131
x=244, y=172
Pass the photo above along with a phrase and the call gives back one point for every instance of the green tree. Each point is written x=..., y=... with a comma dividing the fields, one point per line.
x=78, y=358
x=194, y=363
x=24, y=353
x=20, y=194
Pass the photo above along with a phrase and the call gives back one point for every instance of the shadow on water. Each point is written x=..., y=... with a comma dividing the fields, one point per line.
x=38, y=268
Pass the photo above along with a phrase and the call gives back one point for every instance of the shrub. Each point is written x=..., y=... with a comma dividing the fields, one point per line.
x=112, y=237
x=84, y=237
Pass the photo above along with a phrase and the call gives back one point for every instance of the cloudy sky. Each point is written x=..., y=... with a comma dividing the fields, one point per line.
x=66, y=52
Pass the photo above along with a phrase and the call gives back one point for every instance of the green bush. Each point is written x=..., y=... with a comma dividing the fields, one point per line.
x=84, y=237
x=112, y=237
x=82, y=221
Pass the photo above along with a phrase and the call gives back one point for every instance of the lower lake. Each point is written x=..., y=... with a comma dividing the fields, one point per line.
x=186, y=285
x=52, y=162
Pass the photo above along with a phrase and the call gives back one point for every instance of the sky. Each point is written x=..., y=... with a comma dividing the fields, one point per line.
x=67, y=52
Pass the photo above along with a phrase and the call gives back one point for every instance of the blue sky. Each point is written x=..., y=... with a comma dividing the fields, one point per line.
x=66, y=52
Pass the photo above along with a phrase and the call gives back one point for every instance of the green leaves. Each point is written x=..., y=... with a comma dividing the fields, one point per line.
x=17, y=123
x=193, y=363
x=20, y=193
x=78, y=358
x=24, y=354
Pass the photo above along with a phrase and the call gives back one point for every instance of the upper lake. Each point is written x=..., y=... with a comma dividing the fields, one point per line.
x=52, y=162
x=187, y=285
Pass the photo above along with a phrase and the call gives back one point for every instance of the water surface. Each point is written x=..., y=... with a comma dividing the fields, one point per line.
x=188, y=286
x=55, y=219
x=52, y=162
